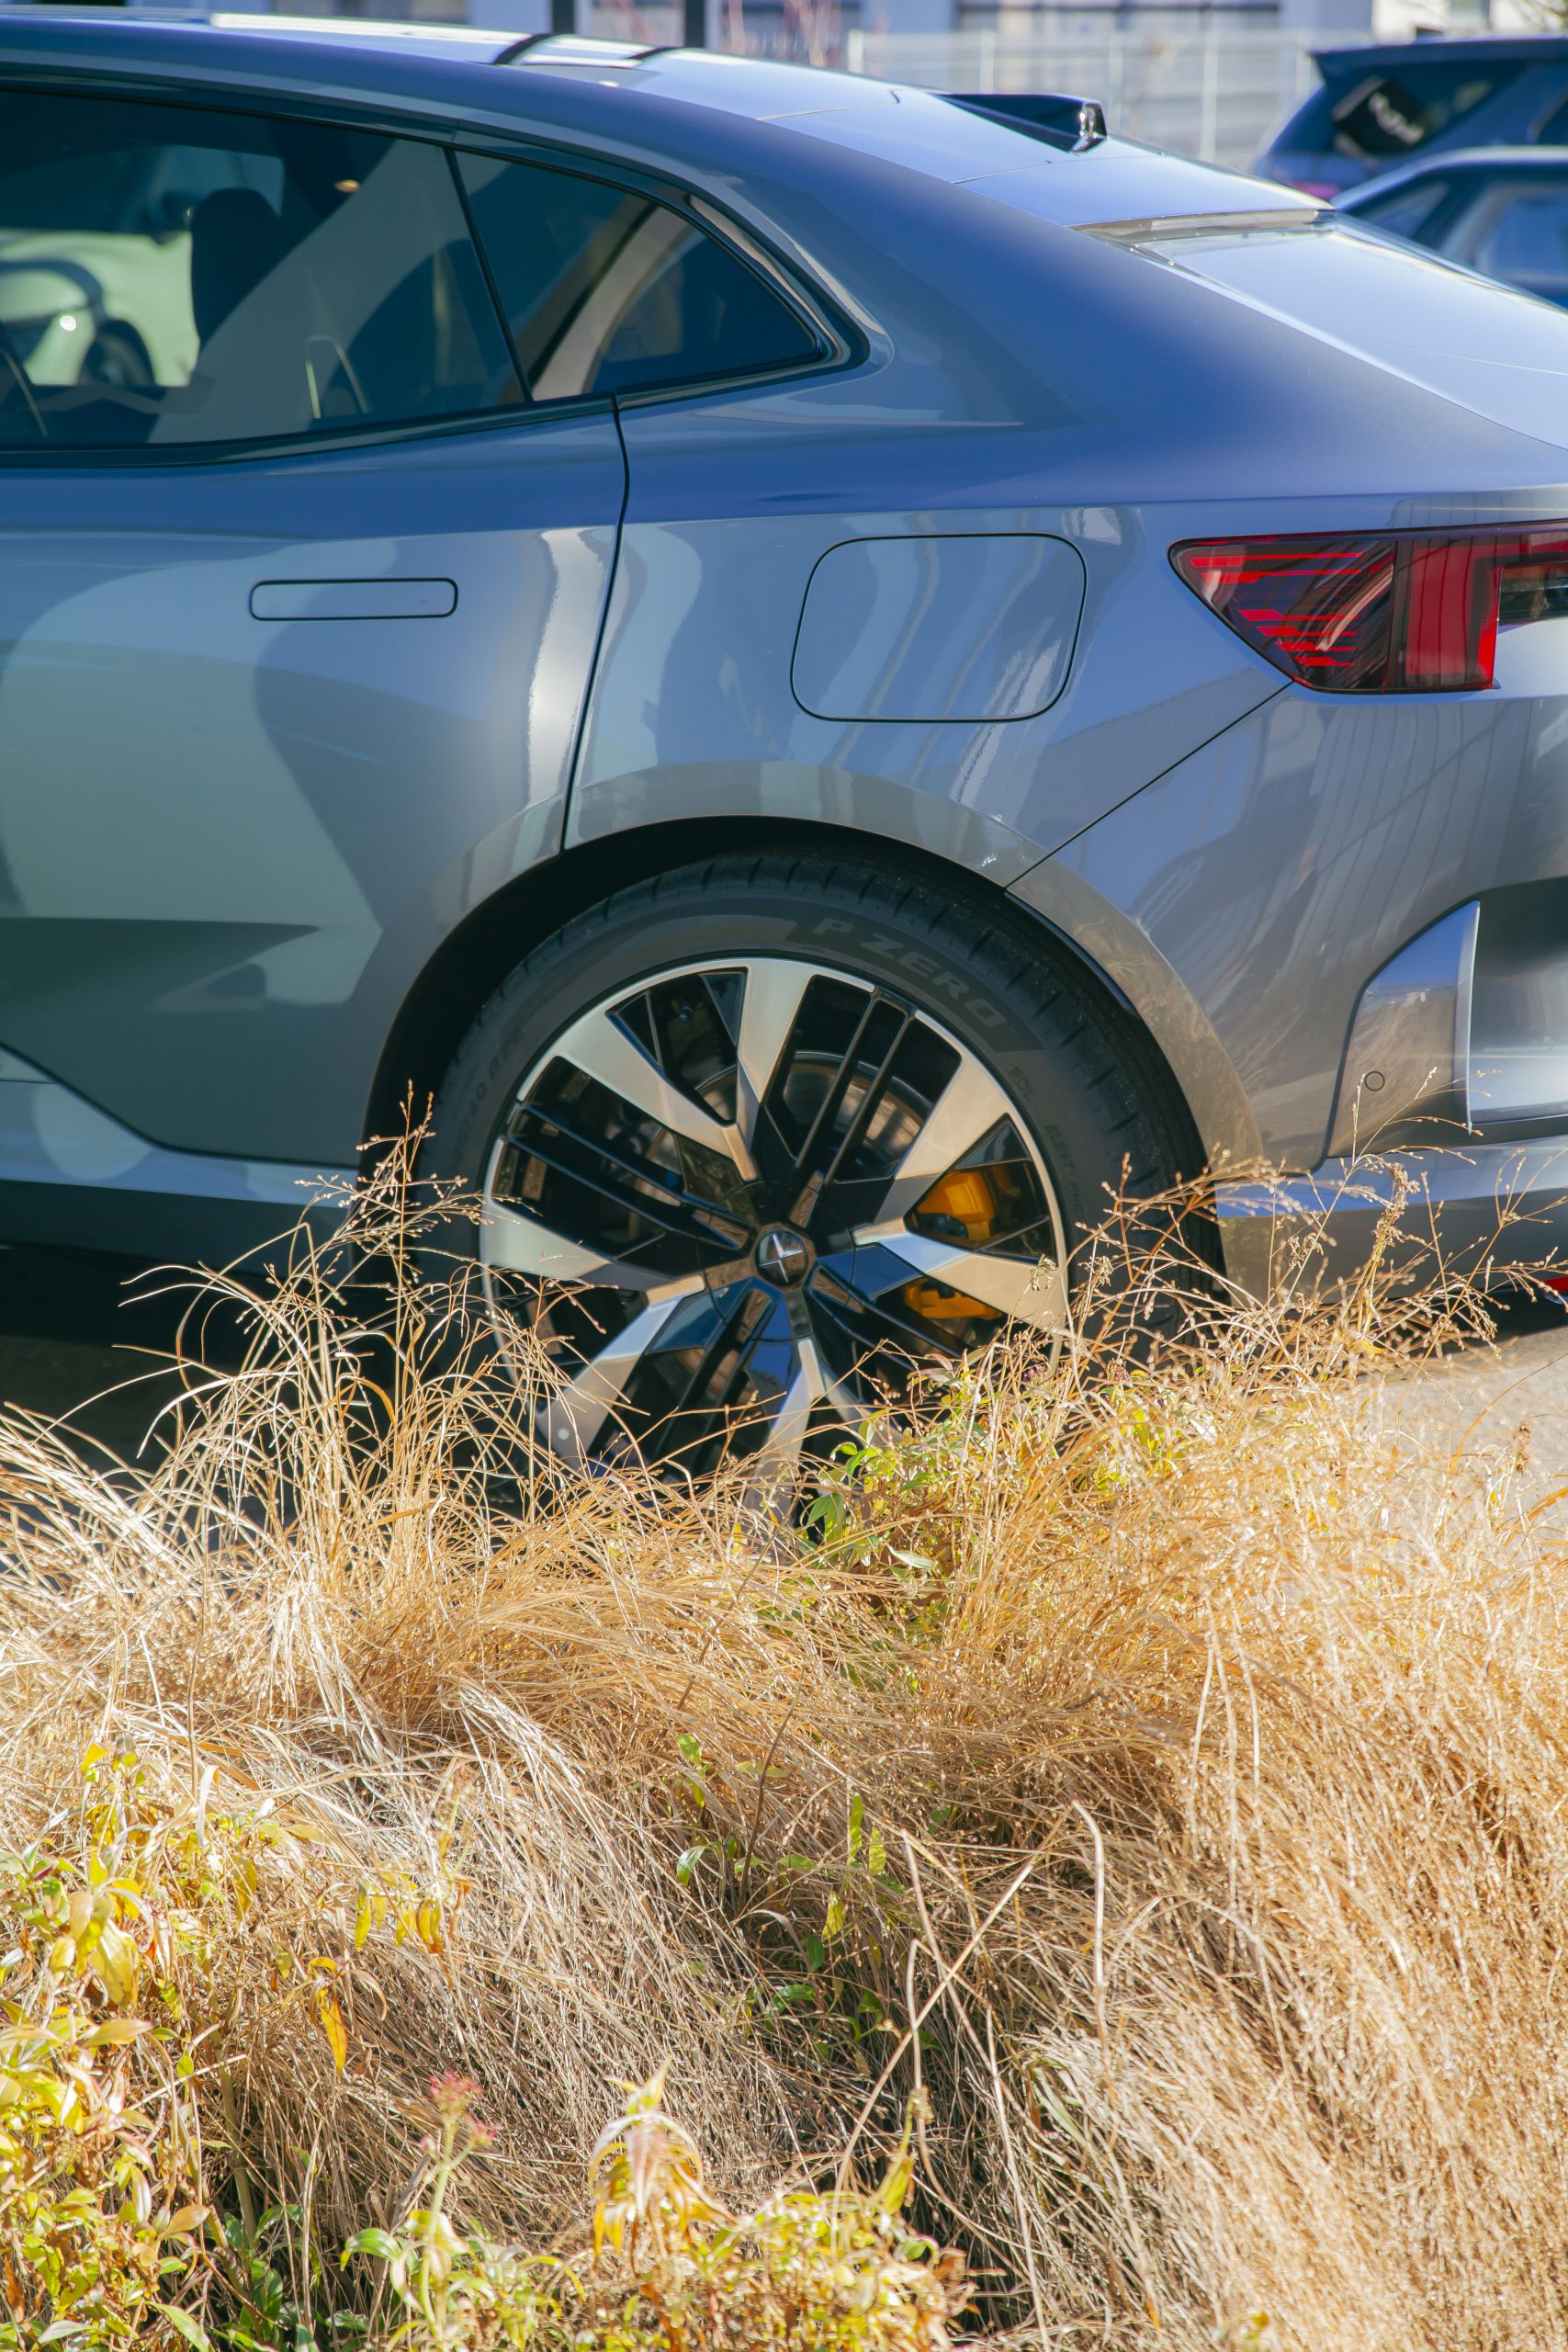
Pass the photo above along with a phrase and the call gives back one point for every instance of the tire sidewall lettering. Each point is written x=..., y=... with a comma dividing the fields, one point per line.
x=953, y=987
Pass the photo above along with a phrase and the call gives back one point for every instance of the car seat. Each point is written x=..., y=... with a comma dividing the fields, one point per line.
x=235, y=239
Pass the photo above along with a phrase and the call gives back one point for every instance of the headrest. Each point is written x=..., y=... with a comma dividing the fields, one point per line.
x=235, y=239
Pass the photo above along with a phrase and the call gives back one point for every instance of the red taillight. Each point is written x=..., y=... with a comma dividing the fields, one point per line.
x=1384, y=614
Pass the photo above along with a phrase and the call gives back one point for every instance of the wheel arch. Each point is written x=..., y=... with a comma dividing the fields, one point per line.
x=475, y=958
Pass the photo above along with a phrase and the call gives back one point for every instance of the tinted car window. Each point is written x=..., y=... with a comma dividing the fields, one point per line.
x=1524, y=238
x=1407, y=210
x=610, y=291
x=1392, y=114
x=171, y=277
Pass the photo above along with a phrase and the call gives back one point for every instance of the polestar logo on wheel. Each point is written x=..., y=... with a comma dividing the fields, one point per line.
x=783, y=1258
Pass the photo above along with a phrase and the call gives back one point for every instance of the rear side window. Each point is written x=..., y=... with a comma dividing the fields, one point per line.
x=170, y=277
x=1524, y=237
x=606, y=290
x=1407, y=212
x=1385, y=115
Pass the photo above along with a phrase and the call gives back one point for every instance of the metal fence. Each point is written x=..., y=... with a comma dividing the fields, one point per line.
x=1211, y=81
x=1207, y=85
x=802, y=32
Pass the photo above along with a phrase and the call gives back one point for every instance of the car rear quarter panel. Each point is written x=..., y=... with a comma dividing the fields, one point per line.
x=1246, y=898
x=694, y=713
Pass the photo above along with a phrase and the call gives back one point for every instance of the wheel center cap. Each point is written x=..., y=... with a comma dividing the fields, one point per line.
x=783, y=1256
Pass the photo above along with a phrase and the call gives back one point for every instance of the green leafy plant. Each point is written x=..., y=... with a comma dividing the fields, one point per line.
x=103, y=2193
x=667, y=2268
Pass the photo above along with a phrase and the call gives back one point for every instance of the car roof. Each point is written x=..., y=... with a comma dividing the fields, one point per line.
x=361, y=54
x=683, y=110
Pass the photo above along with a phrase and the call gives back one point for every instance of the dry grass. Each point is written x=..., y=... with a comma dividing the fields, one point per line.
x=1162, y=1766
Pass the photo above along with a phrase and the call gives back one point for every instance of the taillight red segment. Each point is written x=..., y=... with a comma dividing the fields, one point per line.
x=1386, y=613
x=1318, y=608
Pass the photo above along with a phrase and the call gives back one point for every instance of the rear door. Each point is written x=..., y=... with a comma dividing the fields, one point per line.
x=299, y=599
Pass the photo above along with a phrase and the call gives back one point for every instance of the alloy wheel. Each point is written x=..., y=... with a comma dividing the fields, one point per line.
x=741, y=1203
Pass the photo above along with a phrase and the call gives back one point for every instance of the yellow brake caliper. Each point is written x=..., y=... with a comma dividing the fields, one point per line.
x=969, y=1196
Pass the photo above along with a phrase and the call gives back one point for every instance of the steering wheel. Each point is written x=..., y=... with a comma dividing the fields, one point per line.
x=15, y=392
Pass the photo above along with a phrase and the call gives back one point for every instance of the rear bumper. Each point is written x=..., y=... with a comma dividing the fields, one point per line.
x=1334, y=920
x=1485, y=1213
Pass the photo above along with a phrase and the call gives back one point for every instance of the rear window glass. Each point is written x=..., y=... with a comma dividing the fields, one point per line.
x=1484, y=347
x=1380, y=116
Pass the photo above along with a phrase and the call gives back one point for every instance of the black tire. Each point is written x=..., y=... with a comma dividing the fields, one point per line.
x=1096, y=1102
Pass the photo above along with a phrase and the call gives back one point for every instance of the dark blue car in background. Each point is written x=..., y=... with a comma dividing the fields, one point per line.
x=1382, y=106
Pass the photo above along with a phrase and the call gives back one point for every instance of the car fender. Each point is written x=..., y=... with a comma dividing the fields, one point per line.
x=797, y=792
x=1161, y=1001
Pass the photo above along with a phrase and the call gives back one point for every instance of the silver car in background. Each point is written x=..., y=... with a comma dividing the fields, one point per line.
x=1503, y=210
x=824, y=672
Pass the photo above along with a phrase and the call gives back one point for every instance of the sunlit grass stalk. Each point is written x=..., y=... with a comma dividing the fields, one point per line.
x=1149, y=1761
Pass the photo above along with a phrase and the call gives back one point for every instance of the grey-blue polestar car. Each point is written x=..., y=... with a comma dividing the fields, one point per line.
x=823, y=669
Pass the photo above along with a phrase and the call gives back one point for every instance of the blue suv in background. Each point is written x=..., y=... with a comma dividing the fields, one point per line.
x=1380, y=106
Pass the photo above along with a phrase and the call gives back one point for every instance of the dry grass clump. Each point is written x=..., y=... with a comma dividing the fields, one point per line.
x=1152, y=1767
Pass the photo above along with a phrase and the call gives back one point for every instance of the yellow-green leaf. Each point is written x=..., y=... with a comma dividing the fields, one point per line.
x=195, y=2334
x=330, y=2018
x=115, y=1965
